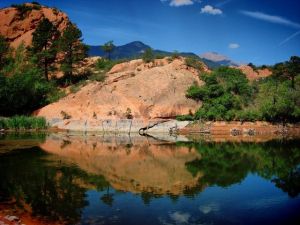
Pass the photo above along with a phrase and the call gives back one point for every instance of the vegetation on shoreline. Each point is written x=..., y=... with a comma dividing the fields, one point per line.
x=228, y=95
x=23, y=123
x=25, y=72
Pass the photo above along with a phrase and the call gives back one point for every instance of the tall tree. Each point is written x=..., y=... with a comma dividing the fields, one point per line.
x=108, y=47
x=294, y=68
x=4, y=49
x=44, y=45
x=73, y=48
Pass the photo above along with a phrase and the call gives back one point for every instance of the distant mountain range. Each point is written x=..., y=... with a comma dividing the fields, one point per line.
x=136, y=49
x=218, y=59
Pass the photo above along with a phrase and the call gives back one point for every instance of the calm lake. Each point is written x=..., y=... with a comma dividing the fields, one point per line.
x=139, y=180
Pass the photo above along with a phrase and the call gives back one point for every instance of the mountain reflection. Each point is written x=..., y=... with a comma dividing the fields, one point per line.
x=52, y=179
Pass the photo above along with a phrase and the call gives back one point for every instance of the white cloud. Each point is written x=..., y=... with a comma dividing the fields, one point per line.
x=271, y=18
x=233, y=45
x=211, y=10
x=177, y=3
x=180, y=218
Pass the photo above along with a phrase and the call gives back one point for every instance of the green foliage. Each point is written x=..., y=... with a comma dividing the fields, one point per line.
x=278, y=101
x=104, y=64
x=185, y=118
x=44, y=45
x=108, y=47
x=98, y=76
x=4, y=50
x=23, y=123
x=228, y=95
x=229, y=163
x=175, y=55
x=23, y=9
x=226, y=91
x=73, y=49
x=23, y=87
x=148, y=56
x=194, y=62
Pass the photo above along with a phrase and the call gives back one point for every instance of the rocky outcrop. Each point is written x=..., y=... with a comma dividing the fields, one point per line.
x=18, y=28
x=254, y=74
x=137, y=90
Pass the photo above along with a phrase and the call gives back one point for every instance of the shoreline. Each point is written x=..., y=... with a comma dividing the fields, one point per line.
x=168, y=126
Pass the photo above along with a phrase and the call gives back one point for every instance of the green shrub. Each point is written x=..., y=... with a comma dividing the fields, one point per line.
x=185, y=118
x=148, y=56
x=98, y=76
x=23, y=123
x=194, y=62
x=23, y=9
x=175, y=55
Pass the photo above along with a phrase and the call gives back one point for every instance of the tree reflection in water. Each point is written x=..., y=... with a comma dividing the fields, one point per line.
x=57, y=189
x=224, y=164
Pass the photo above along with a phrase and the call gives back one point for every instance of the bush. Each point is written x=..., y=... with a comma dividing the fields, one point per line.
x=65, y=115
x=185, y=118
x=23, y=9
x=98, y=76
x=226, y=91
x=23, y=123
x=148, y=56
x=175, y=55
x=194, y=62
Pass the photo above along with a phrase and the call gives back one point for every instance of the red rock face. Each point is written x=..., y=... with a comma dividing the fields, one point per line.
x=254, y=75
x=18, y=29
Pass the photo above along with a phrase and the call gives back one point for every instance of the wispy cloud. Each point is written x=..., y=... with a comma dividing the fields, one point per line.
x=208, y=9
x=177, y=3
x=233, y=45
x=289, y=38
x=271, y=18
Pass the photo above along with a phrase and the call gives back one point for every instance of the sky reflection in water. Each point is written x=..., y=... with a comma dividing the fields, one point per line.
x=138, y=180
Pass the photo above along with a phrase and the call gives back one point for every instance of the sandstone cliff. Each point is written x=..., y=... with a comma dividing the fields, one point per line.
x=132, y=89
x=254, y=74
x=18, y=26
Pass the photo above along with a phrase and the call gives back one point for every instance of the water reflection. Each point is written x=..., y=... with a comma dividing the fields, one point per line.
x=56, y=178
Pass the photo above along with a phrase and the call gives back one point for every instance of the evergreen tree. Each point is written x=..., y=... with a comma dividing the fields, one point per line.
x=148, y=56
x=44, y=45
x=4, y=49
x=73, y=48
x=108, y=47
x=294, y=68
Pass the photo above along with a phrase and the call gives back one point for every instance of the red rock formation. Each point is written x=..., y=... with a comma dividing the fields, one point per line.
x=151, y=90
x=18, y=29
x=254, y=74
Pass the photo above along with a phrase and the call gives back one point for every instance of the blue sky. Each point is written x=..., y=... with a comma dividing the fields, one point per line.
x=258, y=31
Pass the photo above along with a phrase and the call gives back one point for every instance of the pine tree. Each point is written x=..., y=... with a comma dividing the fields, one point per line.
x=73, y=48
x=44, y=45
x=108, y=47
x=4, y=49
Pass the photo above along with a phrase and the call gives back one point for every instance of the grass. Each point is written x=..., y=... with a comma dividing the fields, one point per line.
x=23, y=123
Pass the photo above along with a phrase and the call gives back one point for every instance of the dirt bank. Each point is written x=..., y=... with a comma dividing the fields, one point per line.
x=242, y=129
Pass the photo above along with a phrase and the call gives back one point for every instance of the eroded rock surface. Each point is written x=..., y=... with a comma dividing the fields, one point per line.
x=17, y=28
x=137, y=90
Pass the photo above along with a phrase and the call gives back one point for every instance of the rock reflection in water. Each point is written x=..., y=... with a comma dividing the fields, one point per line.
x=135, y=164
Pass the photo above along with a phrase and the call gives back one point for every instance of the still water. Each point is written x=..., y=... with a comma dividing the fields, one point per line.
x=142, y=180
